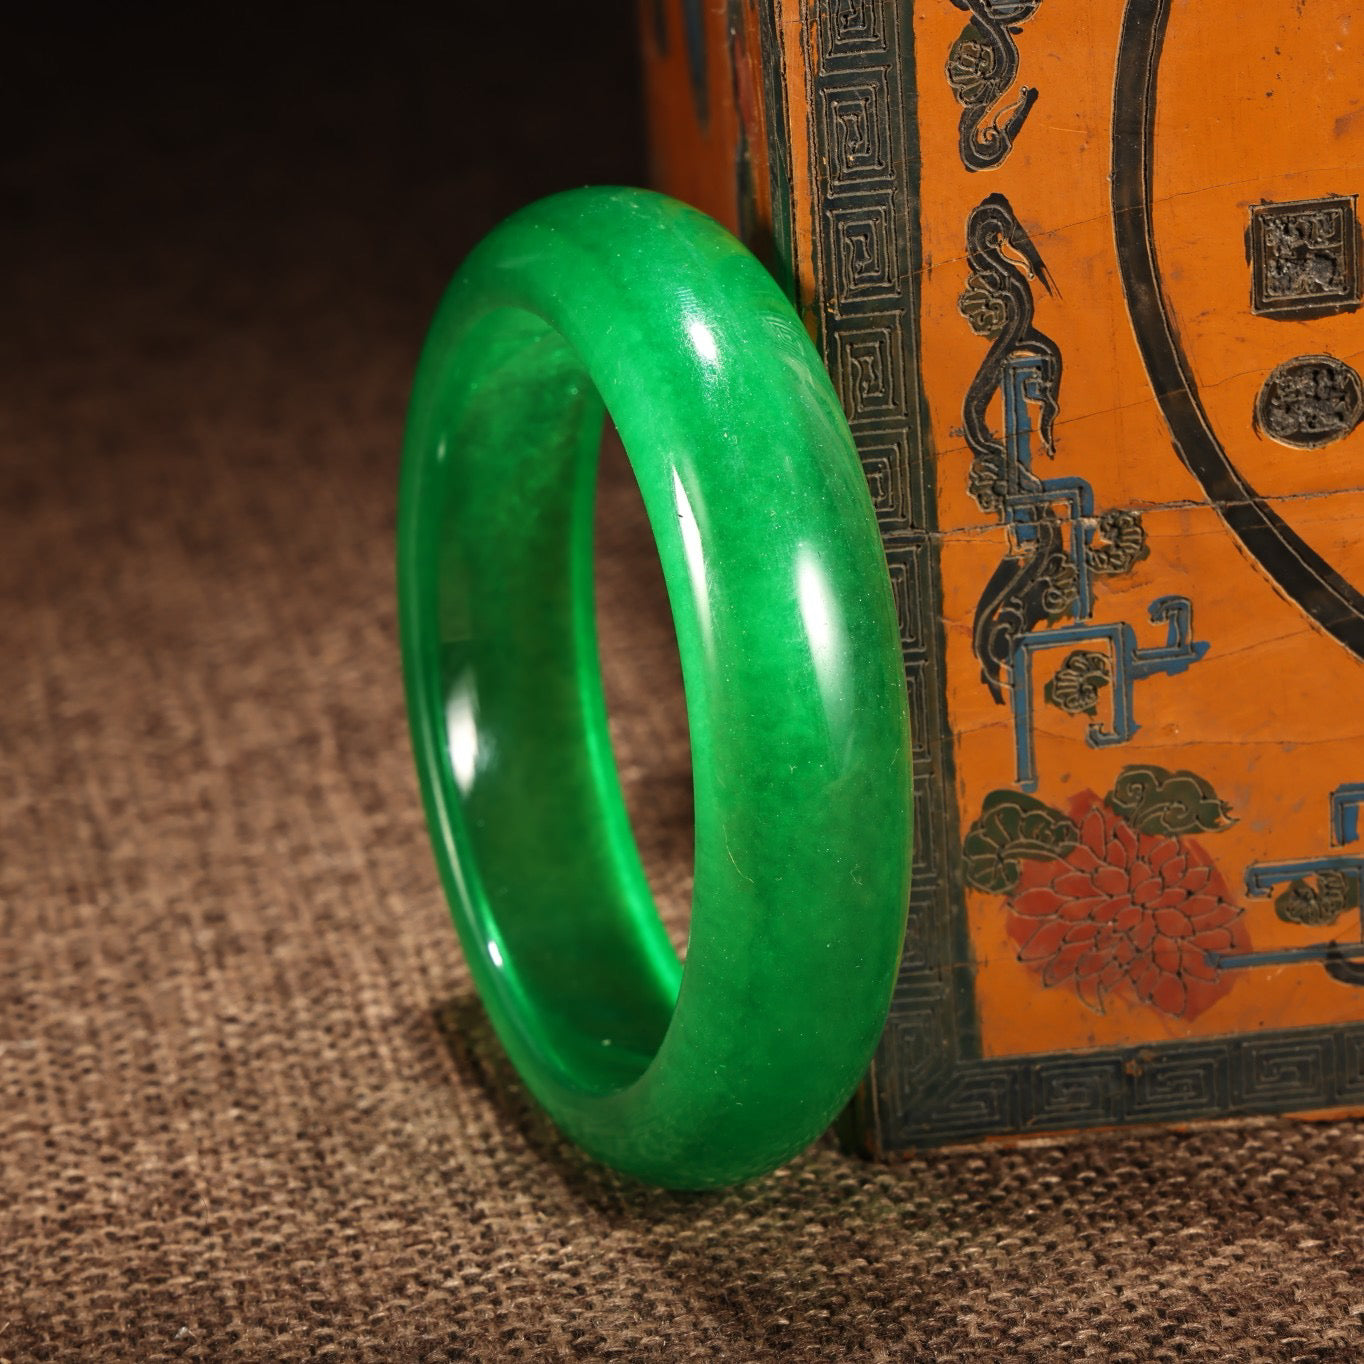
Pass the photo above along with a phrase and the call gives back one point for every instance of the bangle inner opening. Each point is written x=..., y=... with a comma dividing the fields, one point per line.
x=558, y=895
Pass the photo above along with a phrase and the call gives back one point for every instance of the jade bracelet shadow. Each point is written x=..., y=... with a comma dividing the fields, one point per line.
x=690, y=1076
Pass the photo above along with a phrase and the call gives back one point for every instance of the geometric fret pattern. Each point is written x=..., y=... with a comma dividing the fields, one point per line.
x=867, y=274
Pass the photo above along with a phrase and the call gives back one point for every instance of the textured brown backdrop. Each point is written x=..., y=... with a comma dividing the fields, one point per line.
x=249, y=1109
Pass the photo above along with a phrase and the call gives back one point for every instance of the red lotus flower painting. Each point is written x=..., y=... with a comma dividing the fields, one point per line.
x=1112, y=898
x=1127, y=913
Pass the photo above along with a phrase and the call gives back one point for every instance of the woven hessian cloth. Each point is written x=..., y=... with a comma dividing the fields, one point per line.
x=249, y=1106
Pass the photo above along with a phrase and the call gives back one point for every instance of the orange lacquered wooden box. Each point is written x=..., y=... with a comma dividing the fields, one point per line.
x=1086, y=275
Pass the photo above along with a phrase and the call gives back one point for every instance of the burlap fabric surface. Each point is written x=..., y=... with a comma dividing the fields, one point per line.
x=249, y=1108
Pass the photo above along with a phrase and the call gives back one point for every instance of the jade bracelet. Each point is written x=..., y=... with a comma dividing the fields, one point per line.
x=703, y=1075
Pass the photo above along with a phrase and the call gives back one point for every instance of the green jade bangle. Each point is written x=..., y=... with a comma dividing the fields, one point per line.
x=690, y=1077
